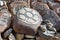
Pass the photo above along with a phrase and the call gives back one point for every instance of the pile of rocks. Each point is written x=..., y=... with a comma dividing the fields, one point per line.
x=29, y=19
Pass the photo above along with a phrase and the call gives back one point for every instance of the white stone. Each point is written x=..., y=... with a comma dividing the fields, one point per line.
x=1, y=3
x=35, y=18
x=29, y=14
x=28, y=9
x=58, y=10
x=11, y=37
x=0, y=37
x=22, y=17
x=30, y=20
x=22, y=11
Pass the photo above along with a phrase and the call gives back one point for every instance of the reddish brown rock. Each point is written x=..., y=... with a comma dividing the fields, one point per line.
x=26, y=22
x=39, y=6
x=57, y=0
x=13, y=6
x=32, y=2
x=40, y=38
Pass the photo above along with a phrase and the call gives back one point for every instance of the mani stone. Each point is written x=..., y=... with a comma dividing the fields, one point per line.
x=28, y=20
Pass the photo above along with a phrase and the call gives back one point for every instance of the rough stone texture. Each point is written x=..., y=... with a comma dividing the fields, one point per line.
x=40, y=38
x=45, y=1
x=32, y=2
x=58, y=36
x=7, y=33
x=19, y=36
x=13, y=6
x=26, y=26
x=27, y=1
x=52, y=17
x=55, y=6
x=39, y=6
x=4, y=23
x=11, y=37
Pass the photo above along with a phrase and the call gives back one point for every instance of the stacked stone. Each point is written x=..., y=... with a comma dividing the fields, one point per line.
x=29, y=19
x=46, y=8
